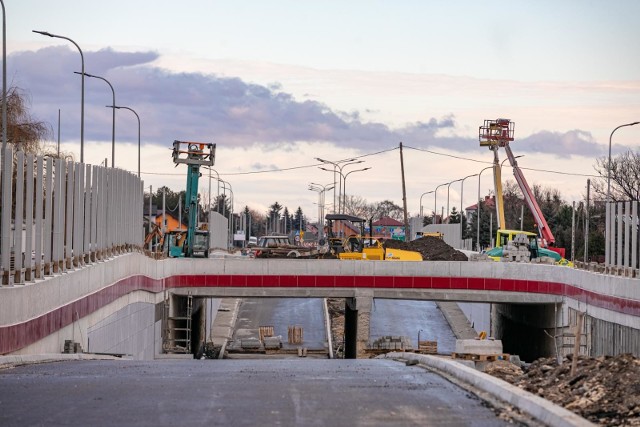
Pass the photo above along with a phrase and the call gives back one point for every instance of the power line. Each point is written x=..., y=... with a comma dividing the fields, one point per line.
x=490, y=163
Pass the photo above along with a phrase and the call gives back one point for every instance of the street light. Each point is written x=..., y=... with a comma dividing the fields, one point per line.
x=609, y=161
x=45, y=33
x=478, y=212
x=337, y=166
x=608, y=230
x=461, y=198
x=435, y=204
x=448, y=187
x=320, y=189
x=230, y=223
x=138, y=117
x=424, y=194
x=344, y=187
x=4, y=79
x=113, y=118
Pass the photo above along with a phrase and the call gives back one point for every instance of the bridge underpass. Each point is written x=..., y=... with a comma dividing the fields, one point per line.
x=38, y=317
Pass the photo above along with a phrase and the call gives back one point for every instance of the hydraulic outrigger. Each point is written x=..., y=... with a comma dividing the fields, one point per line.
x=194, y=155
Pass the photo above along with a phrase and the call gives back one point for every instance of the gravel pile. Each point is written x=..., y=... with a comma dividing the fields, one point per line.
x=431, y=248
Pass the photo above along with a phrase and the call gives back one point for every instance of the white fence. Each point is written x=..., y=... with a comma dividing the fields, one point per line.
x=621, y=243
x=59, y=215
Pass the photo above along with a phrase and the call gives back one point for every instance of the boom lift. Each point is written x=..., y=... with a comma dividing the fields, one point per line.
x=194, y=155
x=498, y=133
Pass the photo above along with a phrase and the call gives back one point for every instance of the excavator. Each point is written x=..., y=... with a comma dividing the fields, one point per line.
x=358, y=247
x=495, y=134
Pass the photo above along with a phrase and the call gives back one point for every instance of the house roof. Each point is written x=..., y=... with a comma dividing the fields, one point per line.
x=489, y=201
x=388, y=221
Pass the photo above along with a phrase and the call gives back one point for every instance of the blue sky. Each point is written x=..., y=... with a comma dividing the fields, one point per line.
x=276, y=84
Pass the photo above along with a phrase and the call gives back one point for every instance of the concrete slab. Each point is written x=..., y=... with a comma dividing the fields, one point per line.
x=477, y=346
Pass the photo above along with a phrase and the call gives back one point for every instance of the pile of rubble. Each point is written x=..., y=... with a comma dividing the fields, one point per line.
x=431, y=248
x=605, y=390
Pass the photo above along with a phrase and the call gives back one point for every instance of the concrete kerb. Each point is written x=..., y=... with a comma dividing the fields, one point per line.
x=28, y=359
x=542, y=410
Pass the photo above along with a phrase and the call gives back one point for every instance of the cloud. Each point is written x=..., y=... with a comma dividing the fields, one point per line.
x=225, y=110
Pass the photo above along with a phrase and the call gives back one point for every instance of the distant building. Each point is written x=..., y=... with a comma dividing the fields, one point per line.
x=389, y=228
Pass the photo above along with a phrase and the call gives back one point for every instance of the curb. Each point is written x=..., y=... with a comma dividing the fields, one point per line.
x=27, y=359
x=534, y=406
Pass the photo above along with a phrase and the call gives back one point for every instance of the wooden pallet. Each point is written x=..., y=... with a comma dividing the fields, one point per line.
x=428, y=347
x=480, y=357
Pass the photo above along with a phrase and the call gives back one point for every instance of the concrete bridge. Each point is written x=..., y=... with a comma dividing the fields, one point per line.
x=119, y=300
x=71, y=267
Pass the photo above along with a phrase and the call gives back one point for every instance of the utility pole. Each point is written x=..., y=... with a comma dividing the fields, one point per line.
x=586, y=225
x=404, y=198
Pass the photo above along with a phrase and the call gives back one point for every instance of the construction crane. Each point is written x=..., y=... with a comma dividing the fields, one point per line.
x=194, y=155
x=499, y=133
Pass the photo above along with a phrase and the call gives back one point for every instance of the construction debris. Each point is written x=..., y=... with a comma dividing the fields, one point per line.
x=431, y=248
x=605, y=390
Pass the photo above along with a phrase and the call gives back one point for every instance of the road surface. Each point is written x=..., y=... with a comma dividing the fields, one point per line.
x=290, y=392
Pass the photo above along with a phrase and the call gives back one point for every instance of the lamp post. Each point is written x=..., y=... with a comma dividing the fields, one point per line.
x=435, y=204
x=336, y=165
x=138, y=117
x=448, y=187
x=461, y=198
x=424, y=194
x=608, y=230
x=113, y=118
x=609, y=161
x=344, y=187
x=4, y=79
x=45, y=33
x=224, y=183
x=478, y=212
x=320, y=189
x=218, y=180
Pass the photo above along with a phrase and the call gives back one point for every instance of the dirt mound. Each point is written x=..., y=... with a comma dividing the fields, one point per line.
x=431, y=248
x=605, y=390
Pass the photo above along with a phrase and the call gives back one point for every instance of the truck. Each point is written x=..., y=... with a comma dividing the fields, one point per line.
x=279, y=246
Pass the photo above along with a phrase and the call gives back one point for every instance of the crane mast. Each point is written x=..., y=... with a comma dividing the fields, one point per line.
x=194, y=155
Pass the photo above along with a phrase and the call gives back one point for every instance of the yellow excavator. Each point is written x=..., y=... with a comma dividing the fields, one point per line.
x=358, y=247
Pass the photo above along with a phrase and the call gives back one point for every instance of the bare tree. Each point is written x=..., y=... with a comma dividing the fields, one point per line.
x=625, y=176
x=25, y=132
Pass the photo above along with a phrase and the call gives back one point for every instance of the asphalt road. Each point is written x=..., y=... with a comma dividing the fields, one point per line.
x=407, y=318
x=282, y=313
x=290, y=392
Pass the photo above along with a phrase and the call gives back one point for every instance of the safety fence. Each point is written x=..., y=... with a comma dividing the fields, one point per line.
x=58, y=215
x=621, y=242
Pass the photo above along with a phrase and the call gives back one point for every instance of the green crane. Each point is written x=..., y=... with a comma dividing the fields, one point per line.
x=194, y=155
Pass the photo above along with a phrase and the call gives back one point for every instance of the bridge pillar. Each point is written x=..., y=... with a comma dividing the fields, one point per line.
x=357, y=317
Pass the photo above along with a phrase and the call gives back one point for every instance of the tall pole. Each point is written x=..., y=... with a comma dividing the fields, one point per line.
x=344, y=186
x=137, y=117
x=113, y=118
x=461, y=199
x=435, y=202
x=478, y=212
x=338, y=168
x=423, y=194
x=448, y=187
x=45, y=33
x=58, y=133
x=586, y=224
x=404, y=196
x=4, y=78
x=608, y=230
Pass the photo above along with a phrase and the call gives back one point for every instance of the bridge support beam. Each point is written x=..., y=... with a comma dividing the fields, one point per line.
x=357, y=317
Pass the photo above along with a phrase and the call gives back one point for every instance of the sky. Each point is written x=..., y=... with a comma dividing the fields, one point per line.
x=276, y=85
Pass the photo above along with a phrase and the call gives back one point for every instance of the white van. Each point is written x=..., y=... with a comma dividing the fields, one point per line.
x=253, y=241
